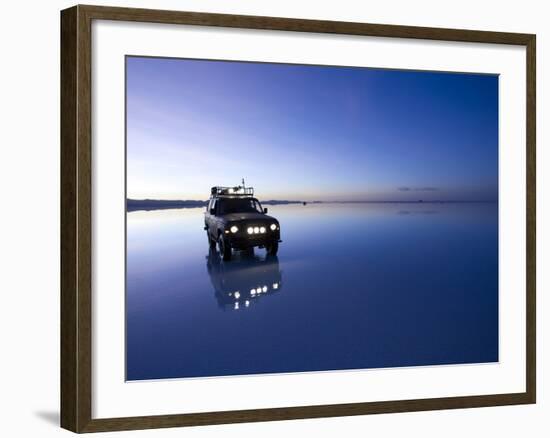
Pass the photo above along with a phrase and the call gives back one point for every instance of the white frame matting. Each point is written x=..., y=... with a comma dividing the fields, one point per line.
x=113, y=397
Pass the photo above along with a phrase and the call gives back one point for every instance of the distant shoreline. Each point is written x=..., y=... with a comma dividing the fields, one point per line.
x=160, y=204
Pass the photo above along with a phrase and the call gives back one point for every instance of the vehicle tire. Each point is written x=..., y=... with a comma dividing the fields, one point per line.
x=272, y=248
x=224, y=248
x=211, y=242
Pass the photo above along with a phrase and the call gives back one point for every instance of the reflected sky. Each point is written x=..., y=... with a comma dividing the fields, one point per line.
x=358, y=286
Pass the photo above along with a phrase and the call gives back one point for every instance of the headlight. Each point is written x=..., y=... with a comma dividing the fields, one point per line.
x=250, y=230
x=234, y=229
x=256, y=230
x=273, y=227
x=262, y=229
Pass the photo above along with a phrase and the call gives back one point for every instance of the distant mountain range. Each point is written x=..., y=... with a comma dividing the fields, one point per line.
x=162, y=204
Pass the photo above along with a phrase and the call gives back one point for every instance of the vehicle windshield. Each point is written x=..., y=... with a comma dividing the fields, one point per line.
x=239, y=205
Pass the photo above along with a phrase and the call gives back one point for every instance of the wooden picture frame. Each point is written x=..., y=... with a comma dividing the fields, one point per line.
x=76, y=218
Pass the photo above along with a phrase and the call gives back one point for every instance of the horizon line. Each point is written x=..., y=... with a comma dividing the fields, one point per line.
x=362, y=201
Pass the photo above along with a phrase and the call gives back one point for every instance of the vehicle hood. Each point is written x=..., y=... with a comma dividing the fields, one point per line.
x=235, y=217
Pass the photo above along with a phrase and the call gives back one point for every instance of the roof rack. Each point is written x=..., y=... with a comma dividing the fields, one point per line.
x=236, y=191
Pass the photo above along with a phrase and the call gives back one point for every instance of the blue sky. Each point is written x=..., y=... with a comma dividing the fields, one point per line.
x=309, y=132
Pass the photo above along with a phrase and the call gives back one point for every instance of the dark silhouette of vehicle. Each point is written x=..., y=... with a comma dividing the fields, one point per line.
x=235, y=220
x=244, y=281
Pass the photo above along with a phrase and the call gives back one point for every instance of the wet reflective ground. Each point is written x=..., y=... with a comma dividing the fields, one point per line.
x=353, y=286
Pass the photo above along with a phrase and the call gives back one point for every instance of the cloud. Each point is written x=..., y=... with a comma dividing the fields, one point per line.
x=417, y=189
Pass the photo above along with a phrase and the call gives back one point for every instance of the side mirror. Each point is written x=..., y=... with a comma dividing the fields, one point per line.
x=265, y=210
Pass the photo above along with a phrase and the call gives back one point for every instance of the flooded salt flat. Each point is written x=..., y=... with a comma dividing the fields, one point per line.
x=353, y=286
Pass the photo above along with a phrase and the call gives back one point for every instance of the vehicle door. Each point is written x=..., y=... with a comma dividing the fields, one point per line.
x=211, y=219
x=207, y=218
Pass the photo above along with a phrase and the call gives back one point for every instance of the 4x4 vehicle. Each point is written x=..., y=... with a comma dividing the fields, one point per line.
x=235, y=219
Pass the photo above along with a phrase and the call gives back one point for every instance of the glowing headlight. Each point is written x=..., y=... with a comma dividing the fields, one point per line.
x=262, y=229
x=250, y=230
x=234, y=229
x=273, y=227
x=275, y=285
x=264, y=289
x=256, y=230
x=237, y=295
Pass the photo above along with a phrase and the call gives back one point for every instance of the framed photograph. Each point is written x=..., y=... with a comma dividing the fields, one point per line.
x=270, y=218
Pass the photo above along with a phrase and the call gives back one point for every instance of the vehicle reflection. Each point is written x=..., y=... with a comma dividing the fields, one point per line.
x=239, y=284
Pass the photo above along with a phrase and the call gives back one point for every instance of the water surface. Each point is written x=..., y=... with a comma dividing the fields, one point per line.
x=354, y=286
